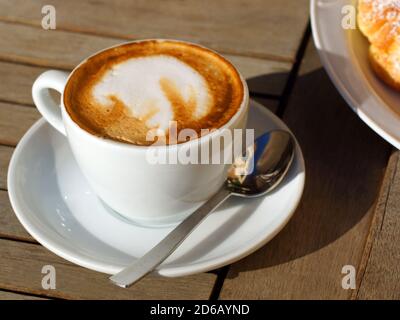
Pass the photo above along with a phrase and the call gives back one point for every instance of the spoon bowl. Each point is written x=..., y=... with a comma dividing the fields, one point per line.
x=263, y=166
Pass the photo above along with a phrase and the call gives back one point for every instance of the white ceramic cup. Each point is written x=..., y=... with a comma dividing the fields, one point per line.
x=121, y=175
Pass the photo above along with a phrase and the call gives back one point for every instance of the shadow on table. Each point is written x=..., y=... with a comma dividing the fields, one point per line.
x=345, y=162
x=272, y=83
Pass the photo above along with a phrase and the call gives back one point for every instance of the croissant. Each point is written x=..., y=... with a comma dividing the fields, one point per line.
x=379, y=21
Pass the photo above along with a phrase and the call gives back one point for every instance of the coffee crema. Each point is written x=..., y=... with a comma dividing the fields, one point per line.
x=123, y=92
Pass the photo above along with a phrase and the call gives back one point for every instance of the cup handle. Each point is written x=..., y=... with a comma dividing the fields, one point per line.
x=52, y=79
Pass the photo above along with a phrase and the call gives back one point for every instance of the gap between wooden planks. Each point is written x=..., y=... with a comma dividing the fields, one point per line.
x=380, y=268
x=9, y=295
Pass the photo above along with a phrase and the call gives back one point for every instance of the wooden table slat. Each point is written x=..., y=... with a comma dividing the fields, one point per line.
x=21, y=265
x=260, y=28
x=48, y=49
x=14, y=121
x=10, y=227
x=17, y=80
x=380, y=272
x=6, y=295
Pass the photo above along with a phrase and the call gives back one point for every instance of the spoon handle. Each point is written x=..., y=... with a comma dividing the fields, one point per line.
x=167, y=246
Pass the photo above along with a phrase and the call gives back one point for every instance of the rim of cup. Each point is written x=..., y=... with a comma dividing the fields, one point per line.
x=123, y=145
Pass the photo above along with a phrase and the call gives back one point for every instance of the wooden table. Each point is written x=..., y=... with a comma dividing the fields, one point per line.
x=349, y=211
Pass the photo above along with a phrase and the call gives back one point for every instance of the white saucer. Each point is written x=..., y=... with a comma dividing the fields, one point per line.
x=57, y=207
x=344, y=54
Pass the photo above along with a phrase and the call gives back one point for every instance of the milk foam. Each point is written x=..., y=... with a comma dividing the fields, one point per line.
x=136, y=82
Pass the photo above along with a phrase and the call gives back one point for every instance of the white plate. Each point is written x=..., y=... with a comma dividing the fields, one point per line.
x=344, y=54
x=57, y=207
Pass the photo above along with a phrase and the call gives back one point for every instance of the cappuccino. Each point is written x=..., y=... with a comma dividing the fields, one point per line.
x=124, y=92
